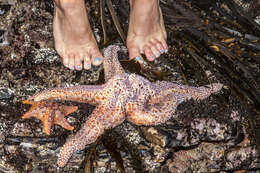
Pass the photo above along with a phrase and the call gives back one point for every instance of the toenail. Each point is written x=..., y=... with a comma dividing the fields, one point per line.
x=162, y=51
x=78, y=67
x=97, y=59
x=138, y=58
x=157, y=55
x=166, y=51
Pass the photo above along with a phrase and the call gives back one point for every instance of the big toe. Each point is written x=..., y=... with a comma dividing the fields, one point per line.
x=96, y=57
x=134, y=53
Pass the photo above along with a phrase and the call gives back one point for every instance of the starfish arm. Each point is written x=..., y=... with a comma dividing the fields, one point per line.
x=101, y=118
x=184, y=93
x=111, y=64
x=35, y=109
x=50, y=113
x=83, y=93
x=157, y=111
x=66, y=110
x=59, y=117
x=48, y=120
x=163, y=102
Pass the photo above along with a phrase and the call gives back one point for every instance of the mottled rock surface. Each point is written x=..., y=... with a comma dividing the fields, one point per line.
x=213, y=135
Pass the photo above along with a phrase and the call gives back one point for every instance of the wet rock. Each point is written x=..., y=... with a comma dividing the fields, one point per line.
x=180, y=133
x=143, y=155
x=45, y=55
x=3, y=37
x=3, y=132
x=22, y=129
x=209, y=157
x=153, y=136
x=42, y=151
x=202, y=136
x=4, y=9
x=5, y=6
x=5, y=93
x=188, y=140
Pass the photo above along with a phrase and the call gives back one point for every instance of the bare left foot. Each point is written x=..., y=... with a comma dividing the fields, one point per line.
x=146, y=33
x=74, y=39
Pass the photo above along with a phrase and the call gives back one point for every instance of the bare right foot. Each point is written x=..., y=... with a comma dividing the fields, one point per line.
x=74, y=39
x=146, y=33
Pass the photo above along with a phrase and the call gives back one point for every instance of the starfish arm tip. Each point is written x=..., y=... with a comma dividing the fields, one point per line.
x=26, y=115
x=47, y=129
x=28, y=102
x=47, y=133
x=69, y=109
x=71, y=128
x=61, y=163
x=66, y=125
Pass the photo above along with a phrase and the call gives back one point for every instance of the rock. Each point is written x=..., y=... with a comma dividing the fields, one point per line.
x=5, y=93
x=4, y=8
x=203, y=136
x=3, y=37
x=209, y=157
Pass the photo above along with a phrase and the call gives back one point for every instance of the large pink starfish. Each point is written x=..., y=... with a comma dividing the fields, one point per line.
x=123, y=96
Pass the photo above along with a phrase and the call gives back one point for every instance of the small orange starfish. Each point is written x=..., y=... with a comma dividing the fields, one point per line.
x=49, y=113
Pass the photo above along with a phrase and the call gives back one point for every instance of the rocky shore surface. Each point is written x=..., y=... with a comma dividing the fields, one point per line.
x=212, y=135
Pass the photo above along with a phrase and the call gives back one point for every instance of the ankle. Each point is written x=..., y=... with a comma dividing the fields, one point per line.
x=69, y=5
x=143, y=2
x=143, y=10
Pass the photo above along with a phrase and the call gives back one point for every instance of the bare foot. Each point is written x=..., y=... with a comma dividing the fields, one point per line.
x=146, y=33
x=74, y=40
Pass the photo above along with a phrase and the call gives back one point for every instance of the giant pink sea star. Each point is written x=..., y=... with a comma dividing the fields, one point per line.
x=123, y=96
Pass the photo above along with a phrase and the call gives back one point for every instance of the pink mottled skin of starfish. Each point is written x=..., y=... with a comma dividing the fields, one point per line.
x=123, y=97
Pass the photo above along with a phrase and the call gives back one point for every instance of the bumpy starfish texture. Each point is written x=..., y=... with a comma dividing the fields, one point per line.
x=49, y=113
x=123, y=97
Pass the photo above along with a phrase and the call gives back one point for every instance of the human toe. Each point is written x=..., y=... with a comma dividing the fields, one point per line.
x=87, y=62
x=71, y=62
x=148, y=53
x=65, y=60
x=155, y=51
x=96, y=58
x=165, y=46
x=78, y=62
x=134, y=53
x=160, y=47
